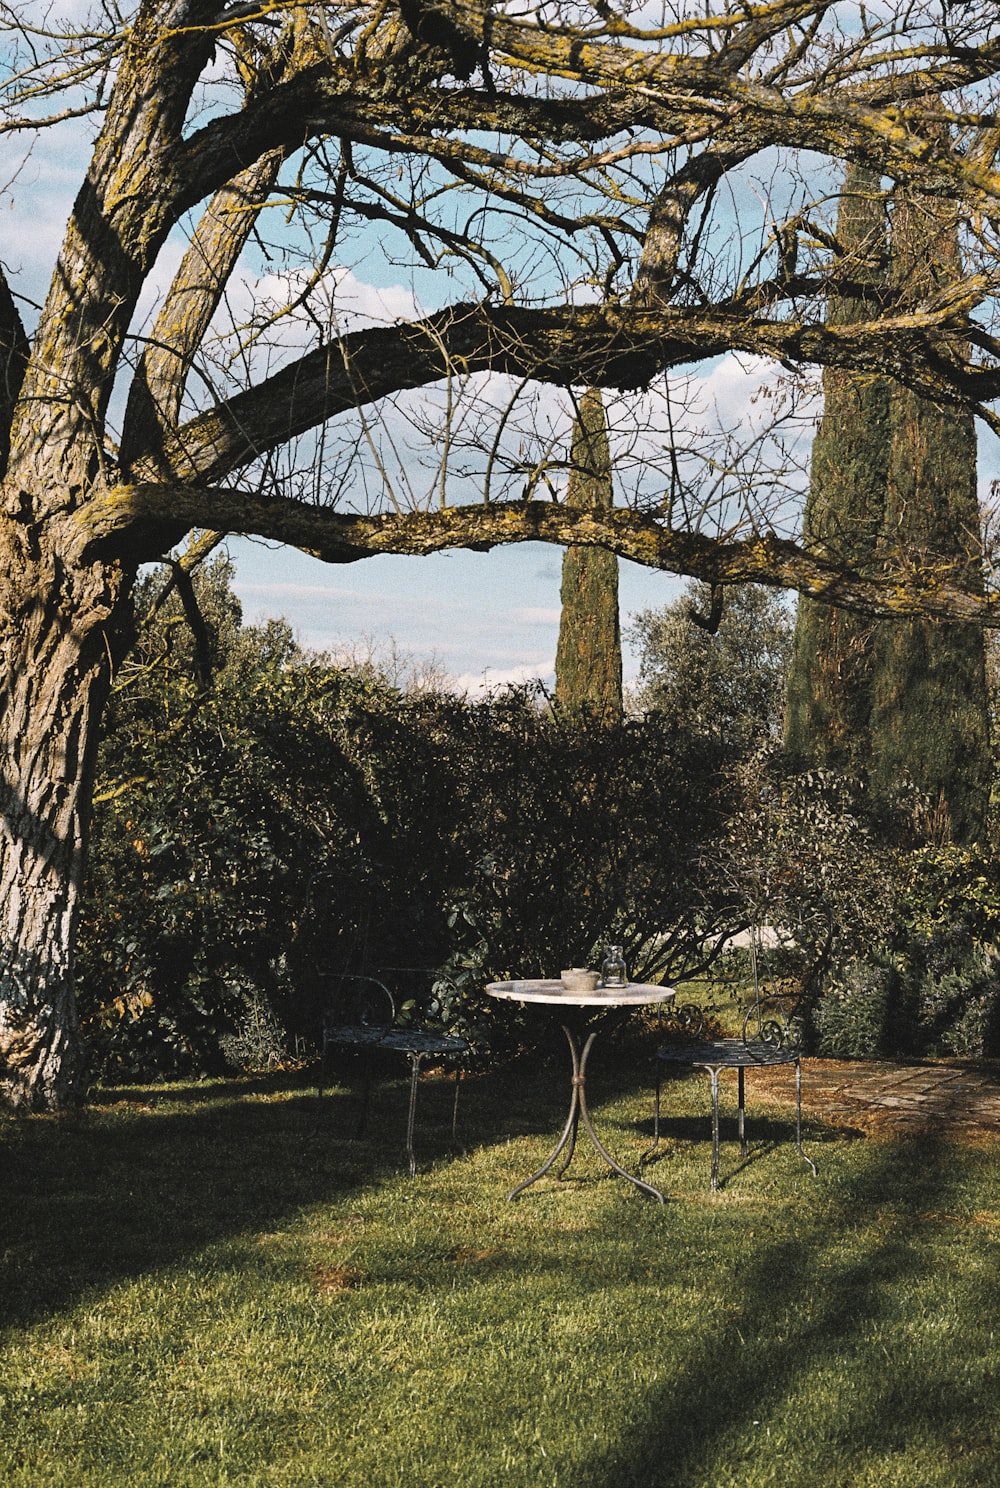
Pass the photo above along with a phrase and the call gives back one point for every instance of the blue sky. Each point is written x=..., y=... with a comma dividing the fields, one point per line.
x=484, y=617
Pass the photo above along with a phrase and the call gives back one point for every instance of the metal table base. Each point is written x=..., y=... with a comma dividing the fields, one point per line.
x=548, y=991
x=579, y=1111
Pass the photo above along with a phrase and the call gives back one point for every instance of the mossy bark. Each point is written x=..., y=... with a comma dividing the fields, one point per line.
x=62, y=628
x=589, y=652
x=930, y=717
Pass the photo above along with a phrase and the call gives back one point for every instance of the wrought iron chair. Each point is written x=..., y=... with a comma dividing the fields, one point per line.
x=768, y=1037
x=360, y=1013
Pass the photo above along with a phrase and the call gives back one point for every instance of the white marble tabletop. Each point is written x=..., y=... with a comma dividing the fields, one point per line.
x=635, y=994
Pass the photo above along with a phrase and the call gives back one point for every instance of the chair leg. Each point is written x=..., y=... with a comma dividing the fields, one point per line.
x=715, y=1128
x=798, y=1119
x=454, y=1108
x=366, y=1096
x=411, y=1114
x=320, y=1087
x=647, y=1155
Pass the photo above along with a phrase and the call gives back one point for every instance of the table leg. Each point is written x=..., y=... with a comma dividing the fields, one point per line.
x=578, y=1110
x=411, y=1113
x=714, y=1072
x=572, y=1121
x=798, y=1118
x=571, y=1149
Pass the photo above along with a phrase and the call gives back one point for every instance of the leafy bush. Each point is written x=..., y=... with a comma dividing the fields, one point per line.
x=856, y=1014
x=946, y=934
x=294, y=813
x=930, y=984
x=578, y=834
x=220, y=814
x=808, y=856
x=261, y=813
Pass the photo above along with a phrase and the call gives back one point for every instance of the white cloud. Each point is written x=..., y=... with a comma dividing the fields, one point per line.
x=339, y=298
x=535, y=615
x=492, y=679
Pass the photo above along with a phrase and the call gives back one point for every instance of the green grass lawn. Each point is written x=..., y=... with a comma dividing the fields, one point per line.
x=201, y=1288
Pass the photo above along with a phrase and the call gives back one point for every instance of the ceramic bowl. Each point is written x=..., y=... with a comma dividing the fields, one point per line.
x=579, y=979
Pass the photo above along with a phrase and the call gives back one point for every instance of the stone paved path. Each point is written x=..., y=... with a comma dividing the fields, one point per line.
x=948, y=1096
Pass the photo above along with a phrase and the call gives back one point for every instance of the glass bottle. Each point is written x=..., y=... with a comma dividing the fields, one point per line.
x=613, y=968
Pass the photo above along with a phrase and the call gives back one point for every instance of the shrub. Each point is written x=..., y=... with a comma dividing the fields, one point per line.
x=932, y=986
x=296, y=813
x=856, y=1013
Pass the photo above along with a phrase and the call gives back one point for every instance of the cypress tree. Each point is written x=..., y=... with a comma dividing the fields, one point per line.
x=589, y=653
x=830, y=682
x=895, y=700
x=930, y=717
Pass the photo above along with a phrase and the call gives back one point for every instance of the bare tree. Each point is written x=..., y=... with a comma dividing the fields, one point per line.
x=568, y=196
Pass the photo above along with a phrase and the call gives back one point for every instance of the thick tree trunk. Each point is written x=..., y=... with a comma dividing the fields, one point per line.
x=60, y=632
x=930, y=709
x=892, y=471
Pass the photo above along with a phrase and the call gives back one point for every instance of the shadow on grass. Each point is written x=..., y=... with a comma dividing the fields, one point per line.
x=99, y=1196
x=158, y=1175
x=812, y=1308
x=204, y=1092
x=149, y=1175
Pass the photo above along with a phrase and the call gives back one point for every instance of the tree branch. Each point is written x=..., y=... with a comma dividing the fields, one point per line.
x=898, y=587
x=13, y=360
x=668, y=218
x=389, y=114
x=118, y=221
x=603, y=346
x=155, y=394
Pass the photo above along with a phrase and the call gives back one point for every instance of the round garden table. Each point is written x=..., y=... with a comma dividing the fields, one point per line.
x=553, y=993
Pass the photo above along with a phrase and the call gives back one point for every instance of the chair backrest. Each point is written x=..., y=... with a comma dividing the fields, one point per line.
x=770, y=1012
x=351, y=1000
x=413, y=989
x=767, y=1010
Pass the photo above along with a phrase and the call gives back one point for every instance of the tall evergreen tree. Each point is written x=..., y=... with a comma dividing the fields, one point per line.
x=893, y=699
x=829, y=700
x=930, y=714
x=589, y=652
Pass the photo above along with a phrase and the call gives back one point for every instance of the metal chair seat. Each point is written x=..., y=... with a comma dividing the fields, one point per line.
x=771, y=1044
x=418, y=1041
x=361, y=1014
x=727, y=1053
